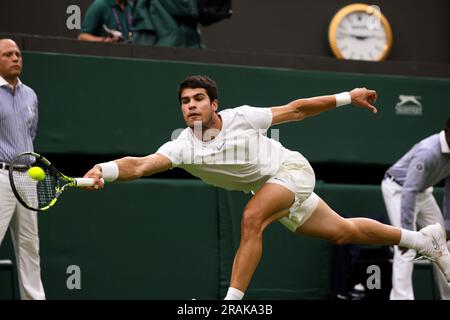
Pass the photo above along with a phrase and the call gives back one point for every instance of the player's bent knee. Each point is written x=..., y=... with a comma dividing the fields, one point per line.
x=252, y=223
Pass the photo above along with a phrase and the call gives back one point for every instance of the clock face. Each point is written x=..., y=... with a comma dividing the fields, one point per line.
x=356, y=41
x=358, y=33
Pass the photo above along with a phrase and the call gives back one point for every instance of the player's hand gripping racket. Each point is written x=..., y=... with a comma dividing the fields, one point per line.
x=37, y=184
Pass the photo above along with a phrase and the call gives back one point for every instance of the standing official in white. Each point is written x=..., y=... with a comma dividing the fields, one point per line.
x=407, y=191
x=18, y=123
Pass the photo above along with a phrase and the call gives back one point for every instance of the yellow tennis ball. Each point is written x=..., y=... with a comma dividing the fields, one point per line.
x=36, y=173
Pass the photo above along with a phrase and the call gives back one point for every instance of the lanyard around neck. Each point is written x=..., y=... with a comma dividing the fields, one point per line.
x=119, y=23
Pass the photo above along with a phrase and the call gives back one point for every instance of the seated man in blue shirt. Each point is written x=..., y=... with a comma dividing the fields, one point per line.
x=407, y=191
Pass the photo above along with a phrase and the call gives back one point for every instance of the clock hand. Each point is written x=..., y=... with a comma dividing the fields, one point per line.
x=352, y=35
x=360, y=37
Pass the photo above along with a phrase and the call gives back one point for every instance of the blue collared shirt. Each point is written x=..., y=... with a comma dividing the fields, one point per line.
x=18, y=119
x=425, y=165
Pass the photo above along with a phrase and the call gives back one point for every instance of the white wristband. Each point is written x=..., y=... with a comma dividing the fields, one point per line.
x=342, y=99
x=110, y=171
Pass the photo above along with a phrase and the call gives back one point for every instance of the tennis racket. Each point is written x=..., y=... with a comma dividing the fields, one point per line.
x=40, y=195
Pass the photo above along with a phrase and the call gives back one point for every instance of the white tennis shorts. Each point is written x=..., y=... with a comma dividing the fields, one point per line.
x=297, y=175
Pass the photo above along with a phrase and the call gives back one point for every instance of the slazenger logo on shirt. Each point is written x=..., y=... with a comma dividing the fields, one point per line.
x=435, y=244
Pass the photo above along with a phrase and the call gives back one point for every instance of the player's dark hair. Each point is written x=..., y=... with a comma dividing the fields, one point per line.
x=194, y=82
x=447, y=124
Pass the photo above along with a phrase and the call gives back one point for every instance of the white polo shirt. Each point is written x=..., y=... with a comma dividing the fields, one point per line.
x=240, y=158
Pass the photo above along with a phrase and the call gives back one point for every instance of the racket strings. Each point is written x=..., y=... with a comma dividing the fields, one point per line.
x=48, y=188
x=36, y=194
x=26, y=187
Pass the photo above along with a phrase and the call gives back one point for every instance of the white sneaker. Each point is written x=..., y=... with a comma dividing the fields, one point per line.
x=436, y=248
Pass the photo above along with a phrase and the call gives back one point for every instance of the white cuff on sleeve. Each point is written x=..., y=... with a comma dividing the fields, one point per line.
x=110, y=171
x=342, y=99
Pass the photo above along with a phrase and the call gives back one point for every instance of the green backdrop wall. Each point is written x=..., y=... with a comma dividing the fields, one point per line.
x=175, y=239
x=103, y=105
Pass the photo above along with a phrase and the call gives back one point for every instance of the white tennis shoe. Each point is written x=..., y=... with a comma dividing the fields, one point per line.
x=436, y=248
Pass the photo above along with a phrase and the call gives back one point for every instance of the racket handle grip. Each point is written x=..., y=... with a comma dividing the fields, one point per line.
x=85, y=182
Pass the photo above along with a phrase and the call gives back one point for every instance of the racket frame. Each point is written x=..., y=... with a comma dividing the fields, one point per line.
x=71, y=182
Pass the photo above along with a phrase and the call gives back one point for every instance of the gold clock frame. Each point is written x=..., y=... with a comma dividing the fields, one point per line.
x=359, y=7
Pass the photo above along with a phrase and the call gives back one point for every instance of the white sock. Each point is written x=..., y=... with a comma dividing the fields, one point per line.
x=412, y=240
x=234, y=294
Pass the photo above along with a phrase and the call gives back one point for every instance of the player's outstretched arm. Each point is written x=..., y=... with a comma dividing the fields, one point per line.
x=300, y=109
x=128, y=168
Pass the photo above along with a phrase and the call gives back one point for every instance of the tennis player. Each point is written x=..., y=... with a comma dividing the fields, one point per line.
x=228, y=149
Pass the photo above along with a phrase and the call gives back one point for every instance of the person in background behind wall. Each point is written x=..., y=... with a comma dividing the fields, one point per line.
x=108, y=21
x=143, y=29
x=408, y=195
x=176, y=23
x=18, y=124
